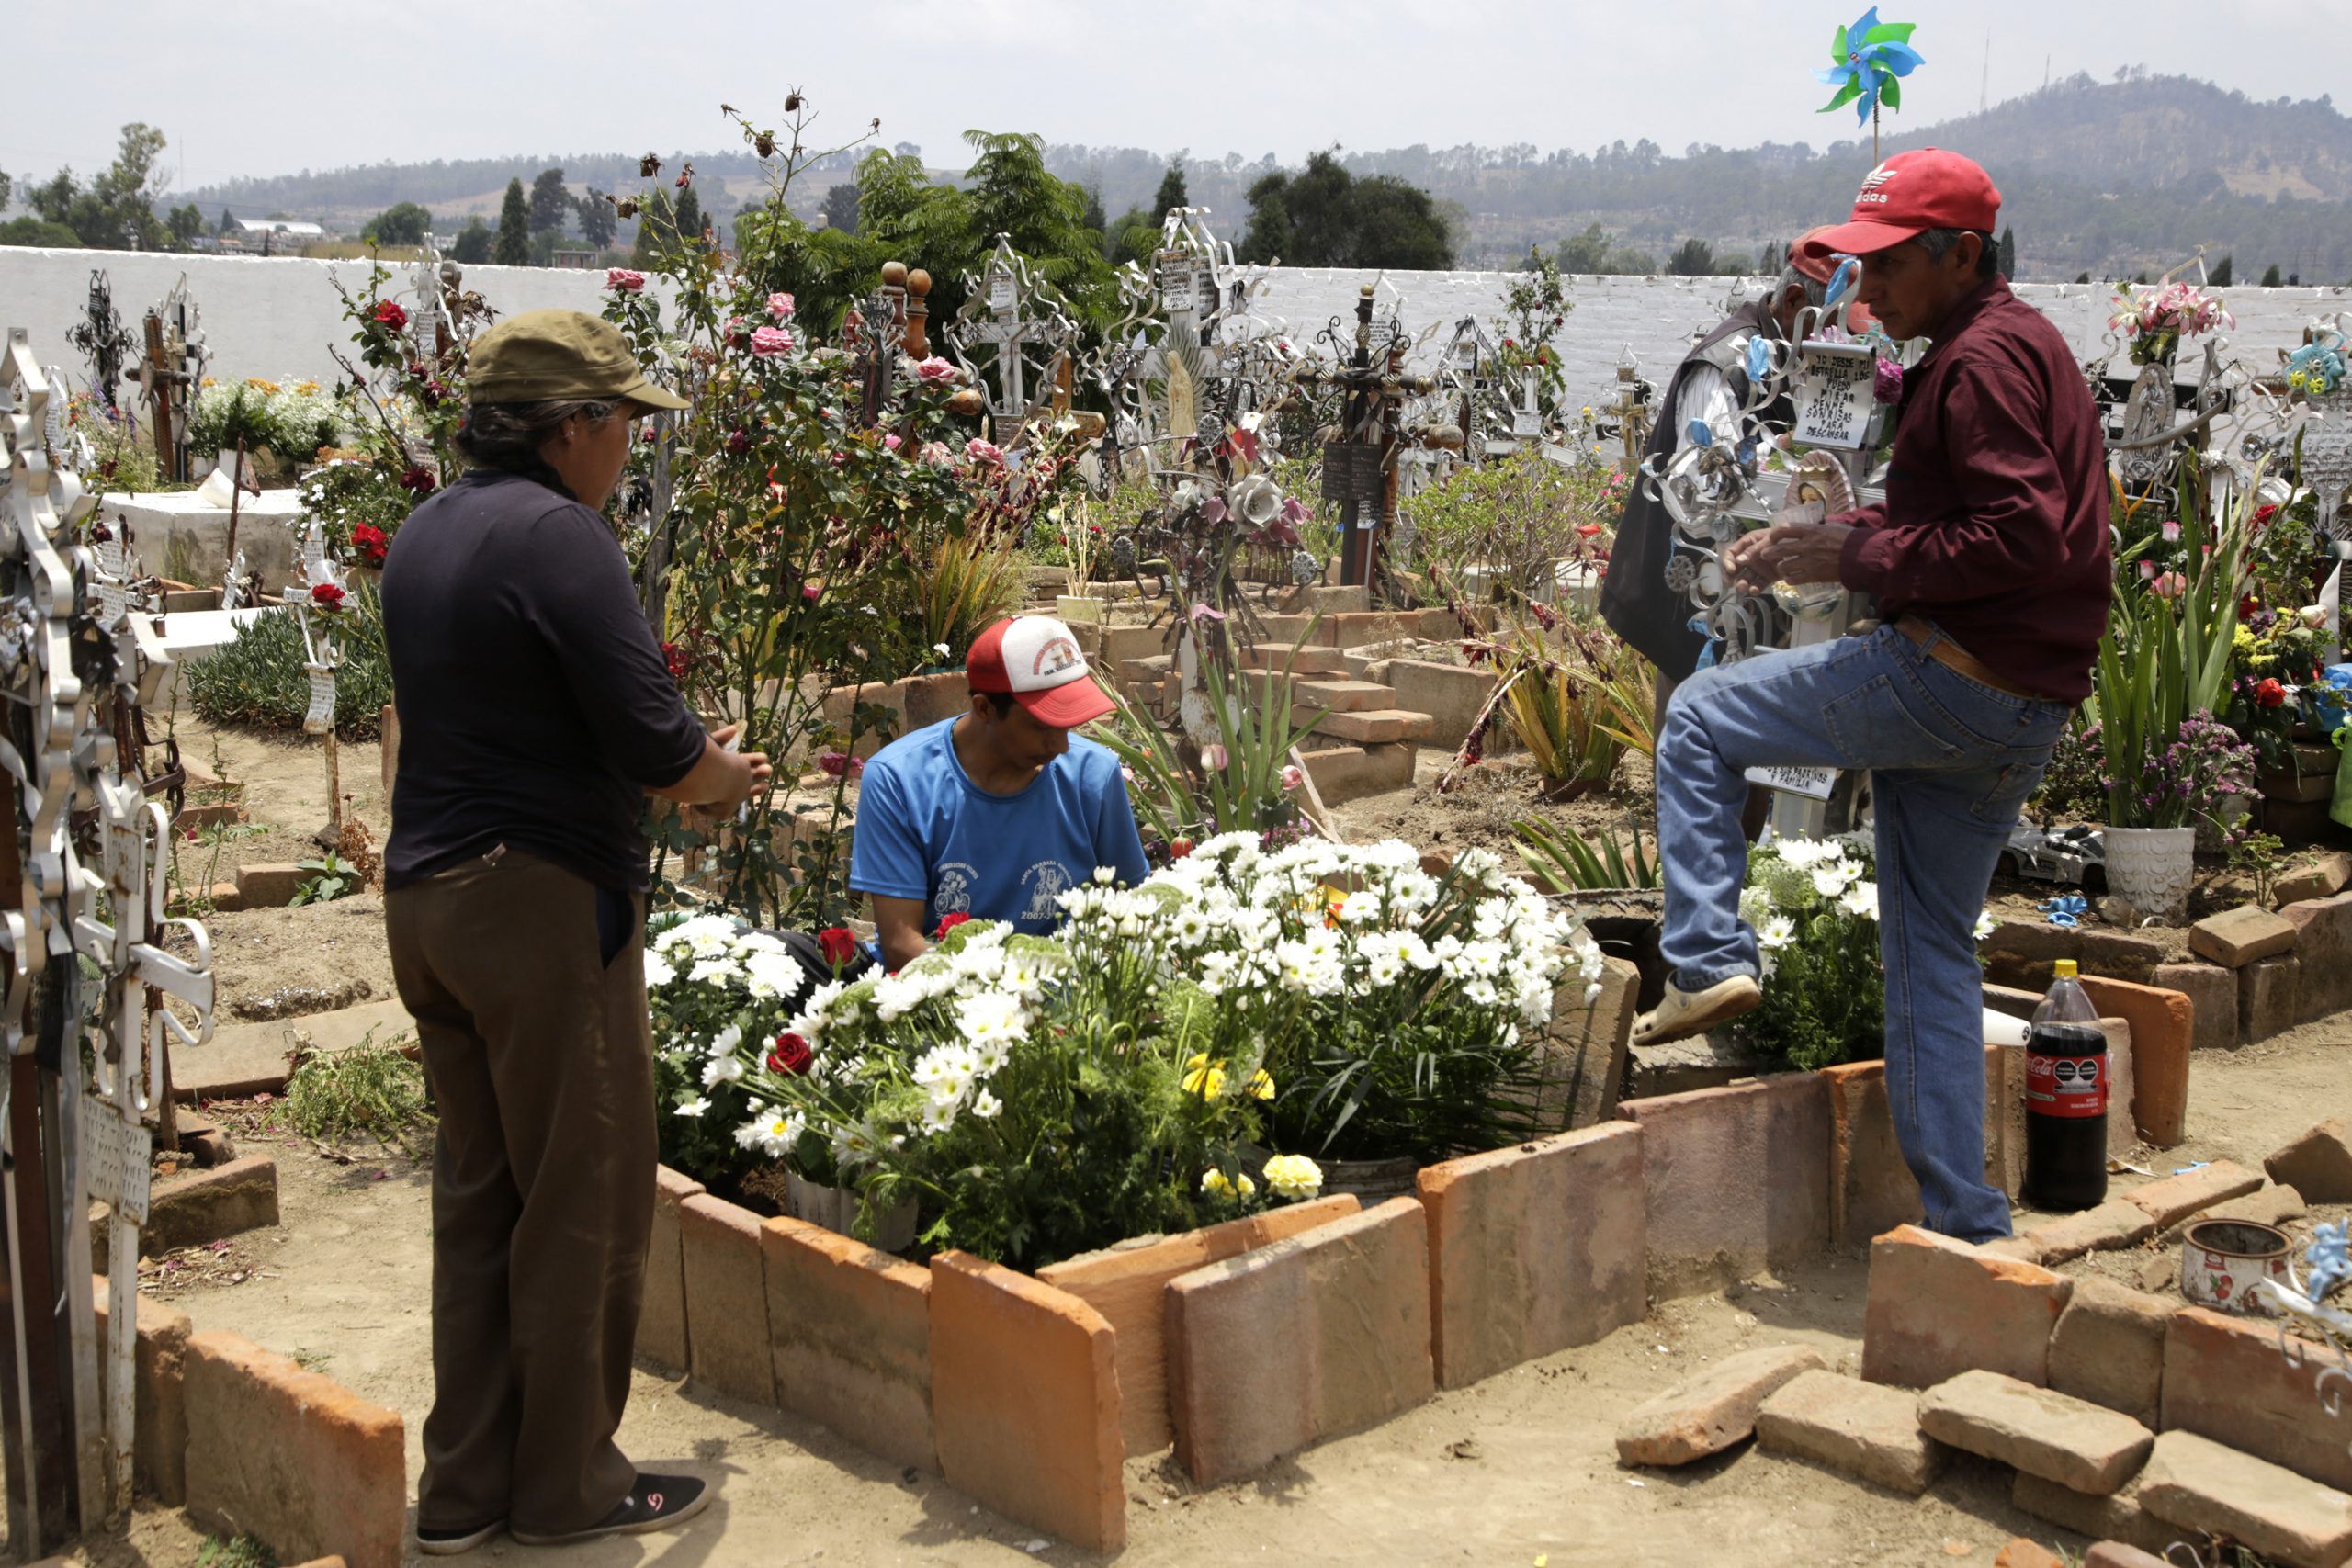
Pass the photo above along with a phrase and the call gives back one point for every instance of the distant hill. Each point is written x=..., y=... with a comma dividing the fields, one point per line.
x=2110, y=178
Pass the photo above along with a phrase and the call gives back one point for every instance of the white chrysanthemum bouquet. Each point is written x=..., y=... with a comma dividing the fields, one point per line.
x=1813, y=904
x=1043, y=1095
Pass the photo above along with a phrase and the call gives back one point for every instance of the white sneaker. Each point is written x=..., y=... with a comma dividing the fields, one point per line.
x=1683, y=1013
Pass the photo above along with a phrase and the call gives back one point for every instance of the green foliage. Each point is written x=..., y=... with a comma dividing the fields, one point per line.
x=1694, y=258
x=1825, y=988
x=257, y=679
x=235, y=1552
x=1558, y=681
x=2221, y=274
x=2270, y=279
x=331, y=878
x=513, y=246
x=115, y=211
x=38, y=233
x=841, y=207
x=2166, y=659
x=1175, y=799
x=597, y=222
x=1171, y=194
x=551, y=202
x=294, y=421
x=2261, y=857
x=473, y=243
x=1512, y=521
x=1567, y=862
x=1326, y=215
x=402, y=223
x=369, y=1089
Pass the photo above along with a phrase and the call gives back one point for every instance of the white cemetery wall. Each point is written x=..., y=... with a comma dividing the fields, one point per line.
x=274, y=317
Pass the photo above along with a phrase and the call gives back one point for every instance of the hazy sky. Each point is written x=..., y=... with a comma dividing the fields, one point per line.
x=271, y=86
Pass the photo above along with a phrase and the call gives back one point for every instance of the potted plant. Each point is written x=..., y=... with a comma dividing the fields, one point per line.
x=2163, y=665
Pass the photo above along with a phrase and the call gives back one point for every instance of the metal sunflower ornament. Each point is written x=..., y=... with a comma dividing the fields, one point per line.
x=1867, y=61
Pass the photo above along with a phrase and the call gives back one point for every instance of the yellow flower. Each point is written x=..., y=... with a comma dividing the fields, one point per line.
x=1262, y=1085
x=259, y=385
x=1295, y=1177
x=1204, y=1078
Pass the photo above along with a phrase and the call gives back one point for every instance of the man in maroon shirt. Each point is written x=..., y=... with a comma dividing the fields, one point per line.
x=1990, y=564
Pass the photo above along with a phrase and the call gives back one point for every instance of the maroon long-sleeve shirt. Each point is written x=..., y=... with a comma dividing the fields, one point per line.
x=1995, y=525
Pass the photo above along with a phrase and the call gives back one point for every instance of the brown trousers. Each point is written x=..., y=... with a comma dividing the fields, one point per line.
x=540, y=1059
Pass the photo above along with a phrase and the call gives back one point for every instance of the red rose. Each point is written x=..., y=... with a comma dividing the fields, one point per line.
x=327, y=596
x=390, y=314
x=2270, y=694
x=791, y=1055
x=676, y=658
x=370, y=542
x=2264, y=513
x=948, y=923
x=839, y=944
x=420, y=481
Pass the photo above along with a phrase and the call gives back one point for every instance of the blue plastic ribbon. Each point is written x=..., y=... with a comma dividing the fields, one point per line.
x=1842, y=283
x=1759, y=358
x=1700, y=434
x=2065, y=910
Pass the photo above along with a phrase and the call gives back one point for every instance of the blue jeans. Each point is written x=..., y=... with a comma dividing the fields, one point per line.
x=1950, y=762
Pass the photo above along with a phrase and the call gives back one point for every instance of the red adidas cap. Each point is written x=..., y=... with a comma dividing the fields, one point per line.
x=1906, y=197
x=1036, y=659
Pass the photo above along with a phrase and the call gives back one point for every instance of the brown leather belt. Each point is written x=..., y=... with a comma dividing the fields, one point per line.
x=1952, y=656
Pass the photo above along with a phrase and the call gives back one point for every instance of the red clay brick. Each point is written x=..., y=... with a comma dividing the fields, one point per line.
x=159, y=1395
x=2213, y=993
x=1736, y=1180
x=2317, y=1163
x=1709, y=1412
x=2324, y=947
x=1024, y=1391
x=2236, y=938
x=2115, y=1555
x=201, y=1205
x=1864, y=1429
x=1128, y=1286
x=1534, y=1248
x=850, y=1335
x=2108, y=1348
x=2053, y=1434
x=727, y=1299
x=2118, y=1516
x=1939, y=1307
x=661, y=1321
x=2226, y=1378
x=292, y=1456
x=2108, y=1225
x=1306, y=1339
x=2023, y=1553
x=2163, y=1029
x=2203, y=1486
x=2175, y=1197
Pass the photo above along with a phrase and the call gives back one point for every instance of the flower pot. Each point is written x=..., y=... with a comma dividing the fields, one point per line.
x=1078, y=609
x=1372, y=1180
x=835, y=1209
x=2149, y=868
x=2223, y=1260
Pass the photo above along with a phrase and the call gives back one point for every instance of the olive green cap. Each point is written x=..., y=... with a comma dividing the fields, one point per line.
x=544, y=356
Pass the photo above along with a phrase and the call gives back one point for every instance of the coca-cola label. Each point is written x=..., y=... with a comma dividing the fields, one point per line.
x=2065, y=1086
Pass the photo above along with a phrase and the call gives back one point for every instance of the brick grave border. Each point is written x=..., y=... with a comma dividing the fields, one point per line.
x=1249, y=1341
x=247, y=1441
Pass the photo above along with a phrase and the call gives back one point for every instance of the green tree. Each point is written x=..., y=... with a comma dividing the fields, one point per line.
x=117, y=208
x=1694, y=258
x=1594, y=251
x=473, y=243
x=402, y=223
x=2223, y=273
x=228, y=224
x=2084, y=277
x=1132, y=236
x=2270, y=279
x=1325, y=216
x=6, y=187
x=186, y=224
x=37, y=232
x=597, y=223
x=656, y=230
x=514, y=245
x=2008, y=259
x=1771, y=262
x=1094, y=218
x=551, y=202
x=1172, y=190
x=688, y=219
x=841, y=207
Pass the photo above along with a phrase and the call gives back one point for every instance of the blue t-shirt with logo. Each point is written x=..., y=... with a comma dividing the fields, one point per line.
x=925, y=830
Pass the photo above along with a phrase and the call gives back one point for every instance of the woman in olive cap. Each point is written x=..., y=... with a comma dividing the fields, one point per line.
x=535, y=714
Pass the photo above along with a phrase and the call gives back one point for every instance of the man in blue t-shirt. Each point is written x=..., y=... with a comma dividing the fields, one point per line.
x=999, y=811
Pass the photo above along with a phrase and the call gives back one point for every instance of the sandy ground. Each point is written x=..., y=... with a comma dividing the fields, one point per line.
x=1518, y=1469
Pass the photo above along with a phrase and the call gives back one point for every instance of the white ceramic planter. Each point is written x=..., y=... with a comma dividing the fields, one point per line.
x=835, y=1209
x=2149, y=868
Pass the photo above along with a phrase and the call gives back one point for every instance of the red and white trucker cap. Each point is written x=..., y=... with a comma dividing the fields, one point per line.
x=1906, y=197
x=1037, y=661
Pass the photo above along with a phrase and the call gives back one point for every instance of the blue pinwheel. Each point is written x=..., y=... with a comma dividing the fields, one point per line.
x=1867, y=58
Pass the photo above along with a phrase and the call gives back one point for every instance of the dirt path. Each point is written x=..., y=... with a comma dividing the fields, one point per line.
x=1518, y=1469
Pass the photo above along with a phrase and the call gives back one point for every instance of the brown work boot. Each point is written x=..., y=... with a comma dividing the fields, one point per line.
x=1683, y=1013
